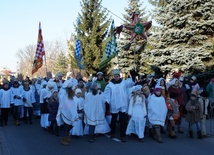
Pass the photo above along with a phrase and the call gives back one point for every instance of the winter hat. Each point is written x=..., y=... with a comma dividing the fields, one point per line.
x=71, y=83
x=116, y=72
x=204, y=94
x=78, y=91
x=93, y=85
x=193, y=78
x=157, y=88
x=51, y=87
x=137, y=87
x=99, y=73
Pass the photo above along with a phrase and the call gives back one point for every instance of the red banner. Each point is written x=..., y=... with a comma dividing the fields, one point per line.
x=40, y=51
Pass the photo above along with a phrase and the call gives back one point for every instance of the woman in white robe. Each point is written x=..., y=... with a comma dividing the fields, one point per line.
x=137, y=112
x=67, y=112
x=157, y=111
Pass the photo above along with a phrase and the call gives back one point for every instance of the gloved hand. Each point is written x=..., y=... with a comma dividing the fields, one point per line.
x=133, y=73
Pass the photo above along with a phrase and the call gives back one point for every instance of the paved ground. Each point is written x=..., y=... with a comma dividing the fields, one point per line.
x=33, y=140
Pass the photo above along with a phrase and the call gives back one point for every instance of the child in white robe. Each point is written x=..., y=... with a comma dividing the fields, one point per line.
x=137, y=112
x=157, y=111
x=77, y=130
x=94, y=109
x=28, y=100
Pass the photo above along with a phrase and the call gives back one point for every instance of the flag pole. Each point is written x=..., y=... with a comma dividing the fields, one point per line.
x=46, y=68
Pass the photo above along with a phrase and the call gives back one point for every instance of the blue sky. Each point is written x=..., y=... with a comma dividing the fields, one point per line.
x=20, y=21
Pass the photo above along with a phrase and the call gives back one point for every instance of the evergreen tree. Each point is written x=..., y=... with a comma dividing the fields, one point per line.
x=92, y=28
x=185, y=41
x=128, y=60
x=61, y=64
x=70, y=56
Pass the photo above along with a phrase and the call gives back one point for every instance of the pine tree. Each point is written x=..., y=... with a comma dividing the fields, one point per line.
x=92, y=28
x=185, y=41
x=61, y=64
x=70, y=55
x=128, y=60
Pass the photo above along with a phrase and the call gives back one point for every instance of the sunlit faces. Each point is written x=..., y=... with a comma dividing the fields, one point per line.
x=138, y=92
x=158, y=92
x=78, y=95
x=162, y=83
x=100, y=76
x=116, y=77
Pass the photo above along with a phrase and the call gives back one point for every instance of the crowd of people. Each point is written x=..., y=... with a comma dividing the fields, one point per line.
x=139, y=105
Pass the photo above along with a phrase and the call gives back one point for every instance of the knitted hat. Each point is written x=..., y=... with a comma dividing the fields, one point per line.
x=99, y=73
x=137, y=87
x=193, y=78
x=78, y=91
x=93, y=85
x=51, y=84
x=71, y=83
x=157, y=88
x=116, y=72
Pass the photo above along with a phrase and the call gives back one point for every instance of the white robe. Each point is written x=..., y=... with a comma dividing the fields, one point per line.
x=138, y=113
x=117, y=95
x=67, y=111
x=78, y=126
x=157, y=110
x=94, y=109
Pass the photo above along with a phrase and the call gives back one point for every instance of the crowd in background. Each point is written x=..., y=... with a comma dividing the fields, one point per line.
x=74, y=106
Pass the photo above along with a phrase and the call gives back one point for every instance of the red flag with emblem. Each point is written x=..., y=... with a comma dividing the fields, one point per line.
x=40, y=51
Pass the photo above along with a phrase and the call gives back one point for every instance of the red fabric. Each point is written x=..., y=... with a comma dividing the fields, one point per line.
x=178, y=91
x=40, y=51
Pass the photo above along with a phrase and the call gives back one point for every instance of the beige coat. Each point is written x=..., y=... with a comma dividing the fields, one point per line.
x=194, y=111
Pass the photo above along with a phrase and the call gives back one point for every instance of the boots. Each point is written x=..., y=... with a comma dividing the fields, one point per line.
x=158, y=134
x=190, y=134
x=171, y=129
x=150, y=132
x=199, y=135
x=180, y=130
x=64, y=141
x=67, y=138
x=17, y=122
x=91, y=138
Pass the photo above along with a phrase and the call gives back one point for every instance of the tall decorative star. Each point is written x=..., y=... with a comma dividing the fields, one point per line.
x=136, y=28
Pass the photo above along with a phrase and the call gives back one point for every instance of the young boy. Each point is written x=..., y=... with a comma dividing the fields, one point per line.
x=194, y=114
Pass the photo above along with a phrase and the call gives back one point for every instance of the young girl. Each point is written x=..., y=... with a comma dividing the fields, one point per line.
x=138, y=113
x=94, y=108
x=194, y=114
x=157, y=111
x=77, y=130
x=53, y=104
